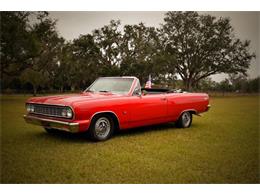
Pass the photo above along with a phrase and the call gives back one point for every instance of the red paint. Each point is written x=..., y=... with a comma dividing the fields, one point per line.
x=131, y=111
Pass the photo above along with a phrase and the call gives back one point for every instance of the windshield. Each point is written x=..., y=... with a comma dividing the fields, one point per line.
x=113, y=85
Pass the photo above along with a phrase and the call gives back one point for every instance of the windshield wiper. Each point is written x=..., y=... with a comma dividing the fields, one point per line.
x=105, y=91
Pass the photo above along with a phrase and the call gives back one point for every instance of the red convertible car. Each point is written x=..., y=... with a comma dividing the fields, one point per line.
x=114, y=103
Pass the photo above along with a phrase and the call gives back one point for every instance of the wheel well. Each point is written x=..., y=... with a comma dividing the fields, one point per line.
x=192, y=112
x=111, y=114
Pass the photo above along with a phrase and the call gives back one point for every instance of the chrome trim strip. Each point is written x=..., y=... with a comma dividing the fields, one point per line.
x=32, y=102
x=62, y=125
x=132, y=88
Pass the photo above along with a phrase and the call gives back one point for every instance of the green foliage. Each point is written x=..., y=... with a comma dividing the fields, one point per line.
x=36, y=78
x=142, y=52
x=203, y=46
x=87, y=57
x=238, y=82
x=207, y=84
x=18, y=45
x=29, y=50
x=108, y=41
x=253, y=85
x=49, y=44
x=235, y=83
x=188, y=45
x=225, y=86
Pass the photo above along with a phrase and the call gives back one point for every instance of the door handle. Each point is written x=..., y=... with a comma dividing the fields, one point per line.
x=163, y=99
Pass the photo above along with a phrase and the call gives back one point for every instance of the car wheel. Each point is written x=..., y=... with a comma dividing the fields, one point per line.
x=102, y=127
x=185, y=120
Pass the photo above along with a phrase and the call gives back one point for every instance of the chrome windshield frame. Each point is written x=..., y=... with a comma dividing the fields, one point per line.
x=127, y=92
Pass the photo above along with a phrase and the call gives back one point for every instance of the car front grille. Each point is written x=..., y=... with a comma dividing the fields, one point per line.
x=48, y=110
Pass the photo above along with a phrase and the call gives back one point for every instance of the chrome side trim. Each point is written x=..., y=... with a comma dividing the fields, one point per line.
x=107, y=111
x=32, y=102
x=55, y=124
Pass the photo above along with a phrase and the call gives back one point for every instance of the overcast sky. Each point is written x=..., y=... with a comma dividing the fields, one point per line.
x=246, y=26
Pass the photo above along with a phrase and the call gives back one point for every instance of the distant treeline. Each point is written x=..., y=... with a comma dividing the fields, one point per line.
x=190, y=46
x=239, y=85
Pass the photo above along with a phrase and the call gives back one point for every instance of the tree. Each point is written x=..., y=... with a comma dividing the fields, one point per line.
x=253, y=85
x=224, y=86
x=86, y=65
x=142, y=52
x=49, y=43
x=108, y=41
x=207, y=84
x=61, y=71
x=204, y=45
x=29, y=45
x=238, y=82
x=18, y=46
x=35, y=78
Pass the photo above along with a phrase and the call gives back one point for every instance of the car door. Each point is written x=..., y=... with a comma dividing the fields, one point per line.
x=147, y=108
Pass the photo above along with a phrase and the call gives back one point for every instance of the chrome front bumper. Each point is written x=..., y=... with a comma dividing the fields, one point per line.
x=49, y=123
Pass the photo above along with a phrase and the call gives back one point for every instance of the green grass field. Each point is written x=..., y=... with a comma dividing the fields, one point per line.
x=220, y=147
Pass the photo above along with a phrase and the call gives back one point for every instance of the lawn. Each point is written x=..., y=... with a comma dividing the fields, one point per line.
x=222, y=146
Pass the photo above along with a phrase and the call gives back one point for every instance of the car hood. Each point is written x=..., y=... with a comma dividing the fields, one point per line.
x=69, y=99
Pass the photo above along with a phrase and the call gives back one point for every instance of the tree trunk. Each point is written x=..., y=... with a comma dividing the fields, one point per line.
x=34, y=90
x=72, y=87
x=61, y=89
x=187, y=84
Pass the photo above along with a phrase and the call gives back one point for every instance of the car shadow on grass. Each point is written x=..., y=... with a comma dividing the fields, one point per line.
x=146, y=129
x=153, y=129
x=84, y=138
x=65, y=136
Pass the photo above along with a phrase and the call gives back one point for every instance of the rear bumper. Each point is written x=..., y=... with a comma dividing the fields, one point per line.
x=49, y=123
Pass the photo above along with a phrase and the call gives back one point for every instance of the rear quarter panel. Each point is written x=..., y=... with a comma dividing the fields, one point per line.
x=177, y=103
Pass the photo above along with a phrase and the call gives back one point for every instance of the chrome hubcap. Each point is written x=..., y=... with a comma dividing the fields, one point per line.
x=186, y=119
x=102, y=127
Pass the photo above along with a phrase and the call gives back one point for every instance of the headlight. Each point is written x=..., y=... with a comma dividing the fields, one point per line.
x=67, y=112
x=30, y=108
x=64, y=112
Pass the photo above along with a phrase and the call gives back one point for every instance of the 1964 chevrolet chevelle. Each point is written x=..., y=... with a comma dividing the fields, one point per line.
x=114, y=103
